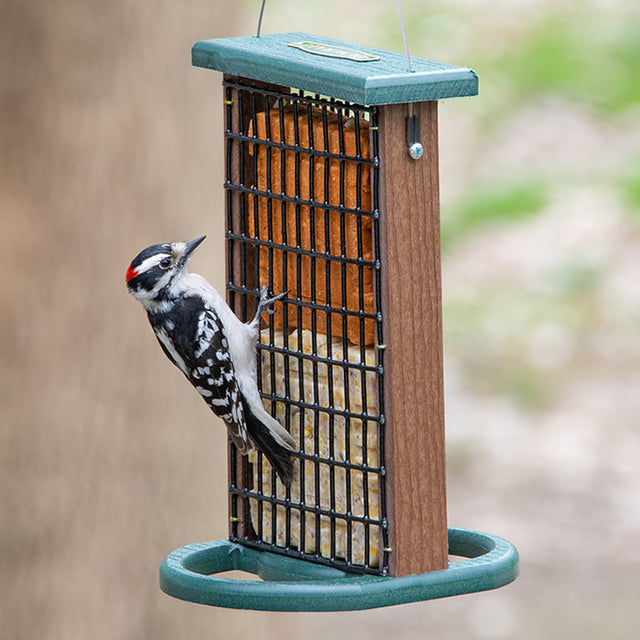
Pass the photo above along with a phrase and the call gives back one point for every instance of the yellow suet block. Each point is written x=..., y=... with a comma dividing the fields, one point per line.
x=333, y=438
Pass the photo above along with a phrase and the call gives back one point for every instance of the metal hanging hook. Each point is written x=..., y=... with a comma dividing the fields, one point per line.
x=414, y=145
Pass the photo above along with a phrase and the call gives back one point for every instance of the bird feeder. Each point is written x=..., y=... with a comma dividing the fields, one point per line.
x=332, y=195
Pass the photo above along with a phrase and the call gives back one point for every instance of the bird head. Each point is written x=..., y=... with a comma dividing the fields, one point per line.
x=155, y=271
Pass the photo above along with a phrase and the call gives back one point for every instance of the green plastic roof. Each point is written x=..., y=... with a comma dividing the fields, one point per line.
x=341, y=70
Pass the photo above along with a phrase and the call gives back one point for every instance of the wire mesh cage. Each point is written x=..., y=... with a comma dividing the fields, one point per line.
x=302, y=217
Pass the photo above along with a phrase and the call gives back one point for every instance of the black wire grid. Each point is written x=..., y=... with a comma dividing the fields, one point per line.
x=302, y=521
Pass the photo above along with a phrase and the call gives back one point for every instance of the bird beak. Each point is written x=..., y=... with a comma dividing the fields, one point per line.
x=189, y=248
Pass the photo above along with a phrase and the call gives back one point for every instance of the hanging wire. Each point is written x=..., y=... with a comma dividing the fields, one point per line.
x=402, y=27
x=260, y=18
x=404, y=36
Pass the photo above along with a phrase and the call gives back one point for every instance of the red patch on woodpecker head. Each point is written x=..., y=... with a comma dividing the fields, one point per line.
x=131, y=273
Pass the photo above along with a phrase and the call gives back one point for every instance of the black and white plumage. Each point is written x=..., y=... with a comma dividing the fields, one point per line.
x=214, y=350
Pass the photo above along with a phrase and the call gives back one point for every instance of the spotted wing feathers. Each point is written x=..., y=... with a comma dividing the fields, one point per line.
x=214, y=378
x=195, y=341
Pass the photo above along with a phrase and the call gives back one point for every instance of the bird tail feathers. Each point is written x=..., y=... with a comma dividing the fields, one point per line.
x=272, y=439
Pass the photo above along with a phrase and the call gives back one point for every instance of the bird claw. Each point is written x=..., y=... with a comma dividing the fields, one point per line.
x=266, y=303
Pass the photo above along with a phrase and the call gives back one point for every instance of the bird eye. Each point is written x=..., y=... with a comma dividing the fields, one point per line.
x=165, y=263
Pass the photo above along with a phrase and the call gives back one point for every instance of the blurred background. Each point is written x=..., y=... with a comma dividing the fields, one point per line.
x=110, y=141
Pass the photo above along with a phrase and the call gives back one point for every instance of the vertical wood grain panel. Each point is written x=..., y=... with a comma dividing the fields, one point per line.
x=412, y=327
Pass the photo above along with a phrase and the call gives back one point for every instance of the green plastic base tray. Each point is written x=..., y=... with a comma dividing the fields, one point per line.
x=289, y=584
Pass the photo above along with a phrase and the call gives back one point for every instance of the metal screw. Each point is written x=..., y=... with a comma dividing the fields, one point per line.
x=416, y=150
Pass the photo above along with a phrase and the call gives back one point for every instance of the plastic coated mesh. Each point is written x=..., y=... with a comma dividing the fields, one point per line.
x=302, y=216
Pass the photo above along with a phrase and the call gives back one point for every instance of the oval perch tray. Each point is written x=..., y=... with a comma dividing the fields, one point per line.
x=289, y=584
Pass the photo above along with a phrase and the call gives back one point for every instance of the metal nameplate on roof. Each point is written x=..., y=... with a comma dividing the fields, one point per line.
x=331, y=51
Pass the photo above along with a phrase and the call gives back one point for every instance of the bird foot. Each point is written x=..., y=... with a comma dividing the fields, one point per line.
x=266, y=303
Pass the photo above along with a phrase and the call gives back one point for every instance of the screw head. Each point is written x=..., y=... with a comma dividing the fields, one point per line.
x=416, y=150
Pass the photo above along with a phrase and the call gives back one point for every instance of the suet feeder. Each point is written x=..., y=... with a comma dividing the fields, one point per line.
x=331, y=155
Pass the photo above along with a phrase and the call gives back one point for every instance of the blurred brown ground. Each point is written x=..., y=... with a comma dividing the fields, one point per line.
x=110, y=141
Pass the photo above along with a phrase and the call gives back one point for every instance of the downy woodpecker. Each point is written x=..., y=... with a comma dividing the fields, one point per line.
x=215, y=350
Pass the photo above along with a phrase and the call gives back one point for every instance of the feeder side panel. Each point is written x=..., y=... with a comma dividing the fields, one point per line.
x=414, y=390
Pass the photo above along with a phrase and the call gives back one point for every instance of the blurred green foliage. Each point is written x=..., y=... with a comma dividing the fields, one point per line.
x=519, y=342
x=628, y=185
x=576, y=57
x=494, y=202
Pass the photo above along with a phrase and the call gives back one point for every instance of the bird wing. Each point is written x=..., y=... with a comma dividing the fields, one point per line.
x=202, y=352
